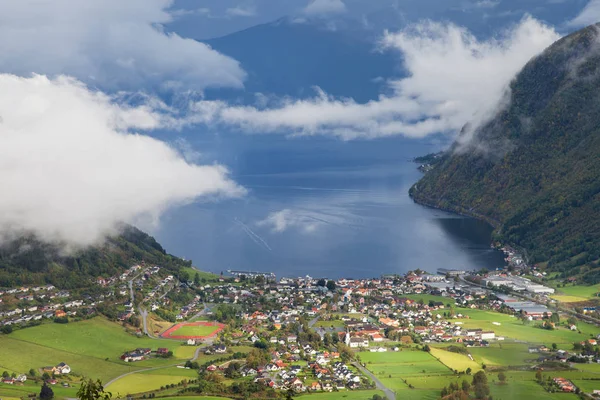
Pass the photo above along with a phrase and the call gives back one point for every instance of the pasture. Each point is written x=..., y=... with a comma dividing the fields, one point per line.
x=342, y=395
x=92, y=348
x=455, y=361
x=513, y=328
x=586, y=292
x=503, y=354
x=143, y=382
x=394, y=368
x=97, y=337
x=526, y=389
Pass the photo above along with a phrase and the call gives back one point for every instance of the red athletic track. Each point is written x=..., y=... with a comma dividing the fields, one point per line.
x=168, y=334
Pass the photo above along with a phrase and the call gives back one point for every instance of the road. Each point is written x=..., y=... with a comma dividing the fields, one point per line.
x=388, y=393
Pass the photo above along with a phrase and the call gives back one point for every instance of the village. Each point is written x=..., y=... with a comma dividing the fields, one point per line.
x=318, y=335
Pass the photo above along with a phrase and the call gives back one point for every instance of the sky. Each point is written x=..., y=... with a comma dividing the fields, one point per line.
x=85, y=85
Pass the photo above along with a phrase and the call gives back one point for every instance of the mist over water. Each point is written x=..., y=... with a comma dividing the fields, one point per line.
x=324, y=208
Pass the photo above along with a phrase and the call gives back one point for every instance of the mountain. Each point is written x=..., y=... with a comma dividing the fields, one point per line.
x=291, y=56
x=27, y=261
x=533, y=171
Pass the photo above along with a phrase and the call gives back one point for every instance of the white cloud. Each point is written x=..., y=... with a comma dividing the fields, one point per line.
x=241, y=11
x=280, y=221
x=113, y=44
x=453, y=78
x=71, y=170
x=589, y=15
x=319, y=7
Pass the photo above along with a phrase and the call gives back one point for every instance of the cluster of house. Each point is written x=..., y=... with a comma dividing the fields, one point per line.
x=564, y=384
x=11, y=380
x=324, y=374
x=140, y=354
x=49, y=303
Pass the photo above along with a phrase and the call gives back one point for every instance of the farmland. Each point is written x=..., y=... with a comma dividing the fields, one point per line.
x=511, y=327
x=152, y=380
x=92, y=348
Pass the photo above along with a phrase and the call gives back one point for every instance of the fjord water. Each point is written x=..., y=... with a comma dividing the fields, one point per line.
x=347, y=212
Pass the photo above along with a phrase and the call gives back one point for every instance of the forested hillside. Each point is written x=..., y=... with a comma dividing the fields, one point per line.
x=29, y=261
x=533, y=171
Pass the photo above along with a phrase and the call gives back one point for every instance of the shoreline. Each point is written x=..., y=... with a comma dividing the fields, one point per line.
x=425, y=201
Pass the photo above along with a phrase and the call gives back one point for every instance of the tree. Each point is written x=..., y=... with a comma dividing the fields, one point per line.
x=465, y=386
x=46, y=392
x=32, y=372
x=501, y=377
x=468, y=371
x=331, y=285
x=5, y=374
x=480, y=377
x=184, y=276
x=554, y=346
x=538, y=376
x=321, y=282
x=196, y=279
x=91, y=390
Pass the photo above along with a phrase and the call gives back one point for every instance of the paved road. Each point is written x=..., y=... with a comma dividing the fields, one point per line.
x=388, y=393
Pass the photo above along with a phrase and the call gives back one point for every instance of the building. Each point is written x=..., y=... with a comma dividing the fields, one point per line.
x=488, y=335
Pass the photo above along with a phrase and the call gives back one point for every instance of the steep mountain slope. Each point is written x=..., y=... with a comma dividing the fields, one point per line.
x=28, y=261
x=533, y=171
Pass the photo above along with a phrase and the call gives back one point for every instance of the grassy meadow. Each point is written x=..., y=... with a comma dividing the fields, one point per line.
x=92, y=348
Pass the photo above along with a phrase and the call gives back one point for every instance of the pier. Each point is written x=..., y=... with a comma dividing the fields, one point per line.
x=251, y=274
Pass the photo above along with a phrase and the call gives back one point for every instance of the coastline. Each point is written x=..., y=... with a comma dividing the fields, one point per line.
x=420, y=199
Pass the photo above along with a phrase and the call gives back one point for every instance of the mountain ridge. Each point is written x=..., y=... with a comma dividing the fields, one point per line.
x=29, y=261
x=531, y=171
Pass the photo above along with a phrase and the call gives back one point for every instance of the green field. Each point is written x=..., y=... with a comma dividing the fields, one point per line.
x=586, y=292
x=188, y=330
x=194, y=398
x=429, y=297
x=454, y=361
x=342, y=395
x=513, y=328
x=19, y=391
x=526, y=389
x=503, y=354
x=92, y=348
x=392, y=368
x=95, y=337
x=138, y=383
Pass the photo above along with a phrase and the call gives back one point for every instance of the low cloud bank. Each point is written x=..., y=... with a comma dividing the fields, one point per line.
x=452, y=79
x=71, y=168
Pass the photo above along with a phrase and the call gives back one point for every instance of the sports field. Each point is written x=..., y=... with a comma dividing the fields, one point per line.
x=193, y=330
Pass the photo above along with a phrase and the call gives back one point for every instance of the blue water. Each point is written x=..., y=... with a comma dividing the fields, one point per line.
x=349, y=212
